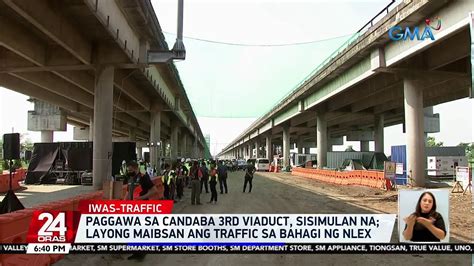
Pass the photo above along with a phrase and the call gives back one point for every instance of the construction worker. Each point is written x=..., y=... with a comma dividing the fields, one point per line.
x=162, y=166
x=123, y=168
x=149, y=169
x=142, y=167
x=123, y=172
x=172, y=182
x=196, y=176
x=249, y=171
x=222, y=170
x=140, y=187
x=188, y=177
x=205, y=176
x=181, y=174
x=214, y=177
x=165, y=181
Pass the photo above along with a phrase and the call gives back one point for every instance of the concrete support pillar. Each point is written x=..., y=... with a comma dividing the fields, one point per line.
x=378, y=133
x=165, y=149
x=286, y=146
x=191, y=146
x=299, y=148
x=322, y=140
x=330, y=142
x=364, y=145
x=46, y=118
x=139, y=153
x=428, y=111
x=195, y=148
x=329, y=147
x=257, y=149
x=103, y=109
x=132, y=134
x=269, y=150
x=414, y=126
x=174, y=141
x=133, y=137
x=156, y=146
x=299, y=145
x=47, y=136
x=189, y=149
x=91, y=128
x=184, y=145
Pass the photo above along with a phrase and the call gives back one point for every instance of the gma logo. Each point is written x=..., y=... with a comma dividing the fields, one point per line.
x=397, y=33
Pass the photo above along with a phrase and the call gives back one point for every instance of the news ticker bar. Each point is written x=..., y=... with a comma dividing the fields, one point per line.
x=234, y=248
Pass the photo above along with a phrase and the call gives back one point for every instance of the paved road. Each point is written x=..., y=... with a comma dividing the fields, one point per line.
x=268, y=196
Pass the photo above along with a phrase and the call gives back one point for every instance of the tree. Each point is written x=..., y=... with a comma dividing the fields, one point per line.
x=349, y=148
x=25, y=143
x=469, y=147
x=431, y=142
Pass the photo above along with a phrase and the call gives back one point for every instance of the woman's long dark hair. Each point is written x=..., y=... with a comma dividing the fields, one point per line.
x=433, y=212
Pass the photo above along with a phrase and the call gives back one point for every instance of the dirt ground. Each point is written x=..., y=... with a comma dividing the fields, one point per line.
x=379, y=201
x=283, y=193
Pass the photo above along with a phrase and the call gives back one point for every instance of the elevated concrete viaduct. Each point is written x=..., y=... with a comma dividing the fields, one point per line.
x=374, y=82
x=88, y=58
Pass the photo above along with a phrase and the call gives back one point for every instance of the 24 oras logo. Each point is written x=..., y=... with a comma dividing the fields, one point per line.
x=52, y=227
x=398, y=33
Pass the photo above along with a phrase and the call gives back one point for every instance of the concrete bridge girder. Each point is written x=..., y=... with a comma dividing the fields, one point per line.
x=431, y=62
x=72, y=61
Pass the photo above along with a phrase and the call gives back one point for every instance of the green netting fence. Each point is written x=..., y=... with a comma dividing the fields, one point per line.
x=234, y=81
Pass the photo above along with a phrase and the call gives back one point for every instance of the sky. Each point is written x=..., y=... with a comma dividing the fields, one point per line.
x=230, y=86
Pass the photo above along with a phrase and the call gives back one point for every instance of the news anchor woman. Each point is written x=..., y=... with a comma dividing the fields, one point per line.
x=425, y=224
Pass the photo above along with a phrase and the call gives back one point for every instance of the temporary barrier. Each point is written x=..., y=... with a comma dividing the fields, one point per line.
x=14, y=228
x=380, y=180
x=374, y=179
x=18, y=176
x=159, y=186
